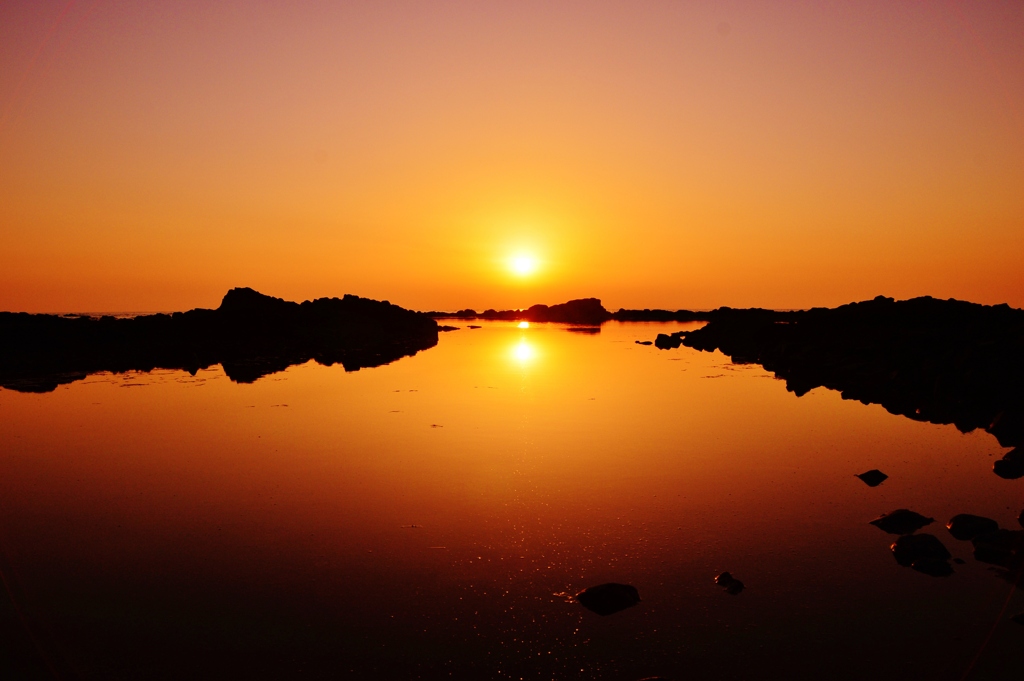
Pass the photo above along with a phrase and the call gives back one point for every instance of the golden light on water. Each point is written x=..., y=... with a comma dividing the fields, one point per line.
x=524, y=325
x=523, y=352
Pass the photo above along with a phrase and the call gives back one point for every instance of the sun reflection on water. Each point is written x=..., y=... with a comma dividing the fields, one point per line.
x=524, y=352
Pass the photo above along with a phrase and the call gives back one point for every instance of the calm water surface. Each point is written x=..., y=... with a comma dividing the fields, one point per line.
x=430, y=518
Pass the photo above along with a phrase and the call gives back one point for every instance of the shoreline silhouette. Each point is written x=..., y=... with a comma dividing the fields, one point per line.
x=940, y=361
x=250, y=335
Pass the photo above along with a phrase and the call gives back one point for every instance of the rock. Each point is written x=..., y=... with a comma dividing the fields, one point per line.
x=608, y=599
x=999, y=547
x=644, y=342
x=731, y=585
x=941, y=361
x=1011, y=466
x=473, y=326
x=873, y=477
x=933, y=567
x=250, y=335
x=901, y=521
x=665, y=341
x=924, y=553
x=966, y=526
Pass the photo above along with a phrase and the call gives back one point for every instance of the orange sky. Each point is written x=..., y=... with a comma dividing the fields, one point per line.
x=662, y=154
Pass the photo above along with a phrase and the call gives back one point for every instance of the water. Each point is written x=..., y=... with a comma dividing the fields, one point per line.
x=431, y=518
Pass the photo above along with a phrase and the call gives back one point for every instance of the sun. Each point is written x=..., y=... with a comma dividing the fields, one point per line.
x=522, y=265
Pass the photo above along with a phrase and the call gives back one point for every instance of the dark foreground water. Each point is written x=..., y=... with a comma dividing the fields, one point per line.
x=431, y=519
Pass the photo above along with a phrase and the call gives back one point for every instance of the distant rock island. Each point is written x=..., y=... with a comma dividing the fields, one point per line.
x=582, y=311
x=250, y=335
x=941, y=361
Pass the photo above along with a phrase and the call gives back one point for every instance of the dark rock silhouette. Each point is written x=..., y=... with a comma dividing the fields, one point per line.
x=584, y=312
x=732, y=586
x=966, y=527
x=941, y=361
x=901, y=521
x=1011, y=466
x=1000, y=547
x=924, y=553
x=647, y=315
x=666, y=341
x=608, y=599
x=580, y=311
x=250, y=335
x=873, y=478
x=639, y=342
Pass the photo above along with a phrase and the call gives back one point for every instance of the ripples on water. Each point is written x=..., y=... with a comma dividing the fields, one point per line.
x=432, y=518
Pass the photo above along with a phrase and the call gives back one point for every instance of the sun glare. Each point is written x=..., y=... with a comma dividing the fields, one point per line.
x=523, y=265
x=524, y=325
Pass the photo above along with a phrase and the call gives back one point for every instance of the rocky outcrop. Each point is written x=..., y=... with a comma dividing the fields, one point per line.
x=583, y=311
x=941, y=361
x=250, y=335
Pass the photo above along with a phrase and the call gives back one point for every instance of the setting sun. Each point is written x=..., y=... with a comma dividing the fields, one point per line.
x=523, y=265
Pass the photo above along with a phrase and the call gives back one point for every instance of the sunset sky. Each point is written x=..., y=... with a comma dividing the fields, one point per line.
x=444, y=155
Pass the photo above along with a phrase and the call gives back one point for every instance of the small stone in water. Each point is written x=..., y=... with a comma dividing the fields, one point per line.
x=966, y=526
x=873, y=477
x=608, y=599
x=901, y=521
x=731, y=585
x=924, y=553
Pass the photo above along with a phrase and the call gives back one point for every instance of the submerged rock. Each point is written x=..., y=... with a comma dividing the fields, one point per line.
x=966, y=526
x=643, y=342
x=1011, y=466
x=731, y=585
x=873, y=477
x=608, y=599
x=901, y=521
x=924, y=553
